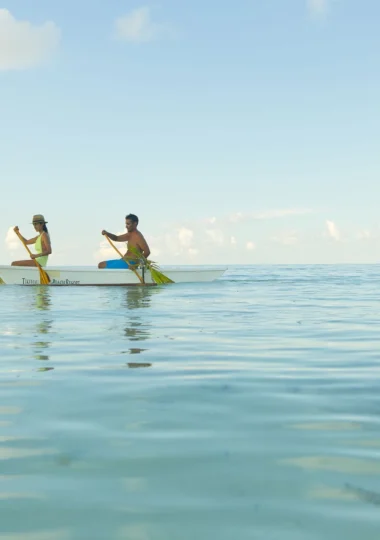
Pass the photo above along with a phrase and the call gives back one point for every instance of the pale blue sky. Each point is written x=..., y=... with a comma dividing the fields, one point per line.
x=194, y=111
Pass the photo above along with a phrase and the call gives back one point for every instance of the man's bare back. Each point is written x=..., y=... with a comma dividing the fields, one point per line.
x=134, y=239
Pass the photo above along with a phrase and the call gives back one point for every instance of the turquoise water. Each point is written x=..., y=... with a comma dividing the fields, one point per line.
x=247, y=408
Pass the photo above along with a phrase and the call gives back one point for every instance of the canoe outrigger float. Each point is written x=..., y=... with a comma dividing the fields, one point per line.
x=82, y=275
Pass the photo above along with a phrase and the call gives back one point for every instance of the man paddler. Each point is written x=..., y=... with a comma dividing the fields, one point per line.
x=134, y=238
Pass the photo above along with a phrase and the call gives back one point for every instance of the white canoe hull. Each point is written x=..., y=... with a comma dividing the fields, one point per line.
x=76, y=276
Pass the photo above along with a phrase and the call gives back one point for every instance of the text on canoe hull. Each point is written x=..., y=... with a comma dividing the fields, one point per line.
x=53, y=282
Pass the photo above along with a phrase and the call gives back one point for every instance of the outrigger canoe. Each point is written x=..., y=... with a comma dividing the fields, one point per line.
x=82, y=275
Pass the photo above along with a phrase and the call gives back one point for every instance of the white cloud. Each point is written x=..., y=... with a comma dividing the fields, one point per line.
x=154, y=252
x=318, y=8
x=23, y=45
x=273, y=214
x=138, y=27
x=365, y=235
x=106, y=251
x=155, y=247
x=176, y=242
x=185, y=237
x=234, y=218
x=193, y=252
x=216, y=236
x=11, y=241
x=333, y=230
x=286, y=238
x=184, y=244
x=269, y=214
x=206, y=241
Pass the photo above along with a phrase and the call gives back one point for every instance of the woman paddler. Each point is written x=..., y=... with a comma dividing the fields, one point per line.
x=41, y=243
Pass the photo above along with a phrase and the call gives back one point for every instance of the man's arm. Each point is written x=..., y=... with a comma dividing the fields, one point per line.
x=144, y=246
x=115, y=238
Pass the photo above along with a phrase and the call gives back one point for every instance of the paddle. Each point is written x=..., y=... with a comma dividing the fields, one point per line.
x=125, y=259
x=44, y=278
x=158, y=277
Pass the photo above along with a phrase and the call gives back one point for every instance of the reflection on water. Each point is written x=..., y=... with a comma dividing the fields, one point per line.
x=138, y=328
x=137, y=331
x=132, y=322
x=329, y=426
x=38, y=535
x=334, y=493
x=42, y=298
x=10, y=410
x=16, y=453
x=15, y=495
x=138, y=364
x=366, y=495
x=336, y=464
x=41, y=347
x=234, y=422
x=42, y=301
x=139, y=297
x=348, y=492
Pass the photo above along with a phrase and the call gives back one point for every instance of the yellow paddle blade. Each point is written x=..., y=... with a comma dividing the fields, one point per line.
x=158, y=277
x=44, y=278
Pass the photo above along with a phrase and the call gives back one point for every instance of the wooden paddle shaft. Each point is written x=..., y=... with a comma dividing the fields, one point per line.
x=28, y=250
x=142, y=280
x=22, y=240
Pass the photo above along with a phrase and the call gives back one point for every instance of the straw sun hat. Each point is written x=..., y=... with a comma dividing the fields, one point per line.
x=38, y=218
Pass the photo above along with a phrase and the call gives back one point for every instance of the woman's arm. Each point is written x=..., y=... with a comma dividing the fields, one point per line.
x=31, y=241
x=27, y=242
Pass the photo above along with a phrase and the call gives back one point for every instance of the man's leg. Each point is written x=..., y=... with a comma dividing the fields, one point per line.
x=117, y=264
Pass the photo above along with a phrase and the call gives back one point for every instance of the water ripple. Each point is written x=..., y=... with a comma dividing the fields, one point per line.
x=250, y=408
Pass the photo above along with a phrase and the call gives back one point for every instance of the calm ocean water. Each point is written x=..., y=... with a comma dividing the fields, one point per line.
x=248, y=408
